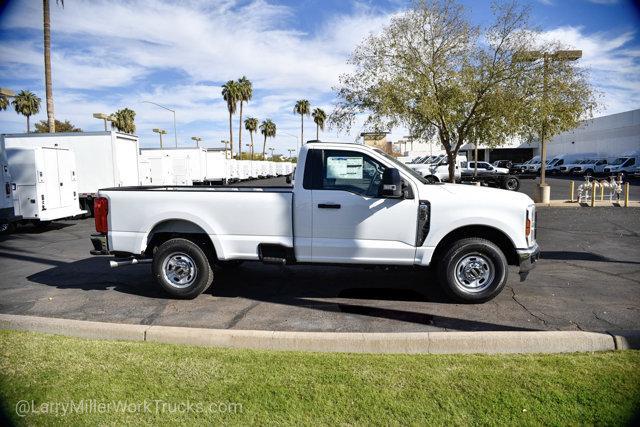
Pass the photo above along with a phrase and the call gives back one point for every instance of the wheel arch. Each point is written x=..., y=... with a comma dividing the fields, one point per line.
x=179, y=228
x=492, y=234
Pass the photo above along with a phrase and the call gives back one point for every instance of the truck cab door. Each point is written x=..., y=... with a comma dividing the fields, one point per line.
x=351, y=221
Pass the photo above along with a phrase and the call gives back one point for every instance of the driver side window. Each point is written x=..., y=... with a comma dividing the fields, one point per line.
x=351, y=171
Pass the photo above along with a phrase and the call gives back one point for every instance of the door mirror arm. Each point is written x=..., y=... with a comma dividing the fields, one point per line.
x=391, y=185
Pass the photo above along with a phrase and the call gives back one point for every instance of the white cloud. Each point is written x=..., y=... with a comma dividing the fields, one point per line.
x=109, y=54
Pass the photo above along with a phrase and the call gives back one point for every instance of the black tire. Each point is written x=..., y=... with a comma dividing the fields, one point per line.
x=588, y=172
x=484, y=259
x=431, y=180
x=182, y=268
x=511, y=183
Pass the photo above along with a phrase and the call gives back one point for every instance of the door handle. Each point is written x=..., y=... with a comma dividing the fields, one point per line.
x=329, y=206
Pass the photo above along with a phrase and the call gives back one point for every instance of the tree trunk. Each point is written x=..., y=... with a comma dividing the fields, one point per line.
x=475, y=158
x=301, y=129
x=251, y=135
x=28, y=127
x=317, y=132
x=47, y=66
x=231, y=133
x=240, y=134
x=451, y=157
x=264, y=147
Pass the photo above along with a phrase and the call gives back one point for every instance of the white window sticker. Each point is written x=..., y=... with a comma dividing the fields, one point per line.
x=344, y=167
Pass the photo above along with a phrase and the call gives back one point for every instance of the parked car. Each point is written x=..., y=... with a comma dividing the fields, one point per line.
x=624, y=164
x=591, y=167
x=350, y=204
x=508, y=164
x=483, y=168
x=439, y=170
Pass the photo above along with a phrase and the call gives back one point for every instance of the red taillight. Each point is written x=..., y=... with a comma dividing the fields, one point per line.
x=527, y=227
x=100, y=211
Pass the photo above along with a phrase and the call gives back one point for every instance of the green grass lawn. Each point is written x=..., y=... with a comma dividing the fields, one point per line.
x=308, y=388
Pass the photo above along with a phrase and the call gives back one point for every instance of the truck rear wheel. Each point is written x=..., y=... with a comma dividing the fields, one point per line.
x=182, y=269
x=511, y=183
x=473, y=270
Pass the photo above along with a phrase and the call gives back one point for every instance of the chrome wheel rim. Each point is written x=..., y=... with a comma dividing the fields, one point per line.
x=179, y=270
x=511, y=184
x=474, y=272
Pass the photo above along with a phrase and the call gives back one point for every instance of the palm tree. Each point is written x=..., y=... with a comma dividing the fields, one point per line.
x=303, y=108
x=231, y=94
x=47, y=63
x=268, y=129
x=27, y=104
x=319, y=117
x=251, y=124
x=245, y=93
x=124, y=120
x=4, y=102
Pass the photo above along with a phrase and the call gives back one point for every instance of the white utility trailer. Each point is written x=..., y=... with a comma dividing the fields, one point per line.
x=188, y=164
x=103, y=159
x=144, y=171
x=7, y=214
x=160, y=167
x=218, y=167
x=46, y=184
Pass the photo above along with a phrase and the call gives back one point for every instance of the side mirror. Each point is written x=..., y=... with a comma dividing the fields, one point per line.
x=391, y=185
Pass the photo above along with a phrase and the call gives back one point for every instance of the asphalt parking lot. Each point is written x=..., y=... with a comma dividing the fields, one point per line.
x=588, y=279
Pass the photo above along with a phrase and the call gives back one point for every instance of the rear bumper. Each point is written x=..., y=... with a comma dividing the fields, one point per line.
x=527, y=259
x=100, y=245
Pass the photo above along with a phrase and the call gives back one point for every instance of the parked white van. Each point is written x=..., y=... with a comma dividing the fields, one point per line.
x=625, y=164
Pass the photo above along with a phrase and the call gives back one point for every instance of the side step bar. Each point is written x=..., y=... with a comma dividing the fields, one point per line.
x=270, y=253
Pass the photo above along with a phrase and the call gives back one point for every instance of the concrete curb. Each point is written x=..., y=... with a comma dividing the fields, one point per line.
x=598, y=204
x=352, y=342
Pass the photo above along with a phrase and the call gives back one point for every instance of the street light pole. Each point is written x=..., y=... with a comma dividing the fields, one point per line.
x=295, y=136
x=105, y=117
x=271, y=149
x=251, y=147
x=530, y=56
x=175, y=132
x=197, y=139
x=226, y=143
x=160, y=132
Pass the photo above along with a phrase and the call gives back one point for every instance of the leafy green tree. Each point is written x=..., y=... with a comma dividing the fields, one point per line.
x=231, y=94
x=433, y=71
x=319, y=117
x=303, y=108
x=43, y=126
x=4, y=102
x=27, y=104
x=268, y=129
x=245, y=92
x=124, y=120
x=251, y=124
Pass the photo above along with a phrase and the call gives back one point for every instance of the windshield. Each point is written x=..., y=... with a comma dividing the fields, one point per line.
x=401, y=166
x=619, y=161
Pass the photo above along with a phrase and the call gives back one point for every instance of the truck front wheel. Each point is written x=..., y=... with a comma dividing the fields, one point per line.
x=182, y=269
x=473, y=270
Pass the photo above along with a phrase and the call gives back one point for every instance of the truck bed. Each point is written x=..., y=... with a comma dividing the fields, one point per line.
x=236, y=218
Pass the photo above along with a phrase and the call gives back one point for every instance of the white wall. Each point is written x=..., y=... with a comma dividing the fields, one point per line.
x=608, y=136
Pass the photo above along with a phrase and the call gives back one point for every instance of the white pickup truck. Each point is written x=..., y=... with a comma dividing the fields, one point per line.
x=349, y=204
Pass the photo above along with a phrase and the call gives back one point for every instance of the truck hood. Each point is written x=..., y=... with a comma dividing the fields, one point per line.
x=472, y=193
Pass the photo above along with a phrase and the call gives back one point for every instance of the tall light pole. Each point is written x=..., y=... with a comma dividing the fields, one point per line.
x=251, y=148
x=175, y=132
x=105, y=117
x=291, y=150
x=271, y=149
x=160, y=132
x=8, y=93
x=226, y=143
x=197, y=139
x=295, y=136
x=544, y=191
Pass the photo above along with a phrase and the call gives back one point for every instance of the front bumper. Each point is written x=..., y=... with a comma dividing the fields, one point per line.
x=100, y=246
x=527, y=259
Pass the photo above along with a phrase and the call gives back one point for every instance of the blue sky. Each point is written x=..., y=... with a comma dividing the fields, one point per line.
x=113, y=54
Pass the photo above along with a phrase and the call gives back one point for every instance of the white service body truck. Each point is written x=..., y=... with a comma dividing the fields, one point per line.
x=45, y=181
x=349, y=204
x=7, y=214
x=103, y=159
